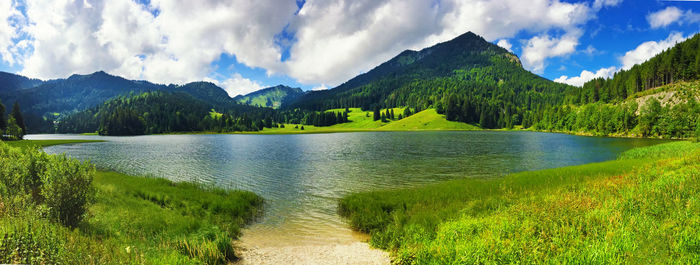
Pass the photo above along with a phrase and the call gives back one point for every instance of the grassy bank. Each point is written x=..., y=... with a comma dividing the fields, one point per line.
x=44, y=143
x=641, y=208
x=128, y=219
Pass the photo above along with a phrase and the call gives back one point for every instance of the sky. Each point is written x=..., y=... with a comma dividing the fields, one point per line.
x=245, y=45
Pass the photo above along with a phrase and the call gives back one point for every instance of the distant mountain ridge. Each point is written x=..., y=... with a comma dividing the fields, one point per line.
x=49, y=99
x=11, y=82
x=79, y=92
x=271, y=97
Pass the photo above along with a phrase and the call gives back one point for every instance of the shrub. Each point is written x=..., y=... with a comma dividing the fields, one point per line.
x=31, y=177
x=67, y=189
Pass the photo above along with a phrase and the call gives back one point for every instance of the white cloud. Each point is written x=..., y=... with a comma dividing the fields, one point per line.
x=126, y=38
x=649, y=49
x=640, y=54
x=538, y=49
x=664, y=17
x=598, y=4
x=670, y=15
x=586, y=76
x=337, y=40
x=503, y=43
x=238, y=85
x=333, y=40
x=10, y=21
x=319, y=88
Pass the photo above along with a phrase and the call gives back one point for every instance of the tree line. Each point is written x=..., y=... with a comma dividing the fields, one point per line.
x=678, y=63
x=12, y=126
x=166, y=112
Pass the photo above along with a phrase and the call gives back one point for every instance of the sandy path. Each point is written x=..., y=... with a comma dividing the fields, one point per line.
x=351, y=253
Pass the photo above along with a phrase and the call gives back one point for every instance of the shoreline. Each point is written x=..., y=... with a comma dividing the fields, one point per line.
x=576, y=133
x=458, y=222
x=351, y=250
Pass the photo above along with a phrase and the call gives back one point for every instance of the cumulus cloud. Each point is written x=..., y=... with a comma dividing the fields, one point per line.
x=336, y=40
x=176, y=41
x=598, y=4
x=539, y=48
x=503, y=43
x=127, y=38
x=10, y=21
x=649, y=49
x=670, y=15
x=639, y=54
x=238, y=85
x=586, y=76
x=319, y=88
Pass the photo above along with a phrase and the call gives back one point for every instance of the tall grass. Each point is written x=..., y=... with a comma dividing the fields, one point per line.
x=131, y=220
x=641, y=208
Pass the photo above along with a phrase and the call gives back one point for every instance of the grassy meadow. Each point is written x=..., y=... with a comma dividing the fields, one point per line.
x=641, y=208
x=427, y=120
x=44, y=143
x=128, y=219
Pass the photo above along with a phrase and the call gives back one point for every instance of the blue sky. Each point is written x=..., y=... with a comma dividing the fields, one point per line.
x=247, y=45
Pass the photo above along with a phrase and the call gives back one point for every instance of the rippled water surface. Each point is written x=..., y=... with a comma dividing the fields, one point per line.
x=302, y=176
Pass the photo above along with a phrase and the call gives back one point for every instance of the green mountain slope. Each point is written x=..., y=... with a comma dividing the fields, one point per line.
x=658, y=98
x=11, y=83
x=164, y=112
x=487, y=77
x=271, y=97
x=679, y=63
x=42, y=102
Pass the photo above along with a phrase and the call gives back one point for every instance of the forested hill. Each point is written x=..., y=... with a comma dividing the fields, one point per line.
x=44, y=101
x=679, y=63
x=10, y=83
x=487, y=82
x=658, y=98
x=165, y=112
x=79, y=92
x=467, y=65
x=271, y=97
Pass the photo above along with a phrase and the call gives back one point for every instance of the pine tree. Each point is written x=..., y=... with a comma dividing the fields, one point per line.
x=3, y=122
x=377, y=114
x=19, y=120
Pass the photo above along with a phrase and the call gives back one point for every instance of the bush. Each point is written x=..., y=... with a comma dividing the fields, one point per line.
x=67, y=189
x=61, y=185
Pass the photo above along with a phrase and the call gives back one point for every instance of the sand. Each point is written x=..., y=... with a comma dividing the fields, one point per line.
x=351, y=253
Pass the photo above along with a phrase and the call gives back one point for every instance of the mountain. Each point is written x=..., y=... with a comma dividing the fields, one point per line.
x=12, y=82
x=271, y=97
x=467, y=78
x=75, y=93
x=42, y=102
x=165, y=112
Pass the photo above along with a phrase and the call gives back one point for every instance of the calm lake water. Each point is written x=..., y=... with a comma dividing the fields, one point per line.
x=302, y=176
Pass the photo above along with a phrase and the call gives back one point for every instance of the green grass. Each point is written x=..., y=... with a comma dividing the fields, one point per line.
x=168, y=222
x=427, y=120
x=132, y=220
x=362, y=121
x=44, y=143
x=641, y=208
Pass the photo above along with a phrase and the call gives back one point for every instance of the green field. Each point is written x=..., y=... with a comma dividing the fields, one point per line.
x=44, y=143
x=362, y=121
x=642, y=208
x=131, y=220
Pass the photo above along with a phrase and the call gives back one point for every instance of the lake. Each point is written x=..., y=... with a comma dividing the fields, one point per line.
x=302, y=176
